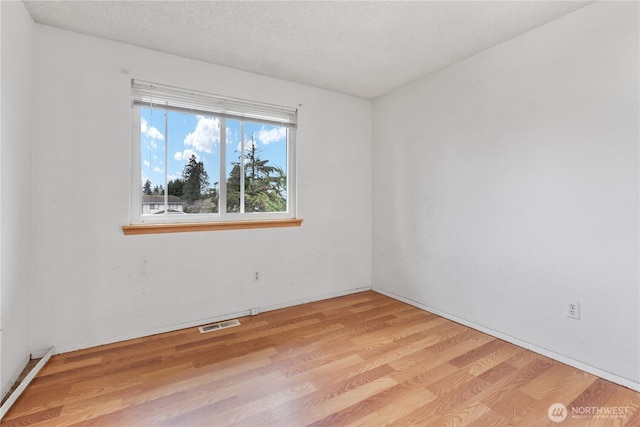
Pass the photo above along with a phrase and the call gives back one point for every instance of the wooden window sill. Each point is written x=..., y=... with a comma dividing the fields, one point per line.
x=207, y=226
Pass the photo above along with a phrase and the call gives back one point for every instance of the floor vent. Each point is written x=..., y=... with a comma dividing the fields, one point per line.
x=220, y=325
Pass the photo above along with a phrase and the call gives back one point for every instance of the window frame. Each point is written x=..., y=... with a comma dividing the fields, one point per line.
x=229, y=220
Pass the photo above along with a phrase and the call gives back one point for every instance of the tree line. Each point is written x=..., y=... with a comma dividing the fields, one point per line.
x=265, y=186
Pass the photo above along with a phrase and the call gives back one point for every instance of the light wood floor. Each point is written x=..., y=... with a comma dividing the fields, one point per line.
x=363, y=359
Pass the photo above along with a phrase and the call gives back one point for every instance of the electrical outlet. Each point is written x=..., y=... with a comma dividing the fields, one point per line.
x=256, y=276
x=255, y=311
x=573, y=310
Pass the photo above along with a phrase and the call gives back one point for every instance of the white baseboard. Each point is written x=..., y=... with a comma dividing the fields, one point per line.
x=214, y=319
x=317, y=298
x=25, y=382
x=261, y=309
x=16, y=375
x=529, y=346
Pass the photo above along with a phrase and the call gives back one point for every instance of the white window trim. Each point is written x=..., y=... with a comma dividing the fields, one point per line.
x=135, y=208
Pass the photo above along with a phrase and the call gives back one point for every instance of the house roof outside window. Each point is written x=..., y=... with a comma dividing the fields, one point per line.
x=159, y=199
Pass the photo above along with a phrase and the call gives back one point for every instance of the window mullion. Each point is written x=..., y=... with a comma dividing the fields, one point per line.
x=222, y=193
x=242, y=148
x=166, y=165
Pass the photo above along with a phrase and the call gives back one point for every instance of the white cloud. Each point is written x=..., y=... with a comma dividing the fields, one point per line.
x=157, y=169
x=272, y=135
x=205, y=136
x=144, y=125
x=146, y=163
x=186, y=155
x=150, y=131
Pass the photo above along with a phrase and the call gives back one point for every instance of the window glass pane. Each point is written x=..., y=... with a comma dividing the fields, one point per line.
x=193, y=162
x=265, y=158
x=180, y=160
x=185, y=161
x=234, y=133
x=152, y=155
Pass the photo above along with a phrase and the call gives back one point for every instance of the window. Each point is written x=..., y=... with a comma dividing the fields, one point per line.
x=199, y=157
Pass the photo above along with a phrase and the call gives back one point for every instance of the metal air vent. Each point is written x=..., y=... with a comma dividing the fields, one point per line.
x=220, y=325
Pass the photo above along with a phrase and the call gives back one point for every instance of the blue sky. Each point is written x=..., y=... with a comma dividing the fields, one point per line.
x=190, y=134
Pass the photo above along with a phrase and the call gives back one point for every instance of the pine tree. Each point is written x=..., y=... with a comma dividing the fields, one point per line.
x=265, y=186
x=146, y=189
x=196, y=180
x=175, y=187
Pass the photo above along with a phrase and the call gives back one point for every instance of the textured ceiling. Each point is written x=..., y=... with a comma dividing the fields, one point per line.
x=359, y=48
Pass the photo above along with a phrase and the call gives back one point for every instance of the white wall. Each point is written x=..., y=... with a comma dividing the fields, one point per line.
x=506, y=186
x=94, y=285
x=15, y=178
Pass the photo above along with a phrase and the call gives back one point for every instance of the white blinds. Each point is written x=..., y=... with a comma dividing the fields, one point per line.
x=154, y=95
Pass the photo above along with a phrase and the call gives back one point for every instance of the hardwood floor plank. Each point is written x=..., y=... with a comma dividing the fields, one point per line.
x=328, y=399
x=239, y=413
x=340, y=369
x=472, y=356
x=382, y=338
x=628, y=403
x=381, y=408
x=53, y=368
x=40, y=399
x=463, y=415
x=358, y=360
x=558, y=383
x=505, y=352
x=450, y=382
x=442, y=351
x=508, y=400
x=490, y=418
x=595, y=395
x=201, y=384
x=33, y=418
x=108, y=420
x=310, y=361
x=346, y=399
x=454, y=399
x=424, y=377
